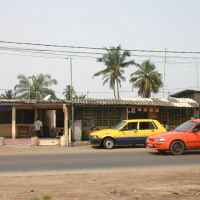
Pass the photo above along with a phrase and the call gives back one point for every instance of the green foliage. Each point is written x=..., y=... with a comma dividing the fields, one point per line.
x=39, y=197
x=35, y=87
x=115, y=61
x=70, y=91
x=147, y=79
x=7, y=95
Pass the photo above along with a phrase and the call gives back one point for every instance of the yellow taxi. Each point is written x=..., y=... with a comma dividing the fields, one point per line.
x=134, y=131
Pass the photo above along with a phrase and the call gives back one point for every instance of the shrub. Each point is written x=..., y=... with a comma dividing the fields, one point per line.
x=39, y=197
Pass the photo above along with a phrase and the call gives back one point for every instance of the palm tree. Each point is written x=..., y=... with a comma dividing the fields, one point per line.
x=8, y=95
x=147, y=79
x=69, y=93
x=115, y=61
x=35, y=87
x=81, y=96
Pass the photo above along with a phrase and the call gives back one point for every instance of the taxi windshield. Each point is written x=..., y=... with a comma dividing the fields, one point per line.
x=119, y=125
x=186, y=126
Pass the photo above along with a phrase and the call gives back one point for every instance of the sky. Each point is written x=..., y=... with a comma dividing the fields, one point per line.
x=133, y=24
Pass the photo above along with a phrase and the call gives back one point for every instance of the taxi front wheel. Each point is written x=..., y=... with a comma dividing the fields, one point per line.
x=108, y=143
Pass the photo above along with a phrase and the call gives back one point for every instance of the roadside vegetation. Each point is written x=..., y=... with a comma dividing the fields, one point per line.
x=144, y=77
x=39, y=197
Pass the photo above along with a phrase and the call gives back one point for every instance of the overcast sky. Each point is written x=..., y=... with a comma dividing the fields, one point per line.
x=134, y=24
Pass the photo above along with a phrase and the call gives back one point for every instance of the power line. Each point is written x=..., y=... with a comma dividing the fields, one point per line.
x=97, y=48
x=58, y=54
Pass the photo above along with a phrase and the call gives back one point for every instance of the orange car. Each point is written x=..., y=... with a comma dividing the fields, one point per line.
x=184, y=137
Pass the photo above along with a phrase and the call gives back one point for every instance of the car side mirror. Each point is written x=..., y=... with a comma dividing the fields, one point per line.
x=195, y=130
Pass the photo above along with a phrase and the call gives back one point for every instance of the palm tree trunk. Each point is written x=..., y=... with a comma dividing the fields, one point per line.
x=114, y=92
x=118, y=89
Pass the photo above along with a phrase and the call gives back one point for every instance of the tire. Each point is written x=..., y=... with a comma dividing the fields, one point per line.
x=177, y=148
x=108, y=143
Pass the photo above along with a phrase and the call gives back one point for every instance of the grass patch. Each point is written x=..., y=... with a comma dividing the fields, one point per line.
x=39, y=197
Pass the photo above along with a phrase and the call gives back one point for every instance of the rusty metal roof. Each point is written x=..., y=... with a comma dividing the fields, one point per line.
x=160, y=102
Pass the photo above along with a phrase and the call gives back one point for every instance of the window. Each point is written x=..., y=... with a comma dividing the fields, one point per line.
x=5, y=117
x=59, y=118
x=146, y=126
x=25, y=116
x=130, y=126
x=186, y=126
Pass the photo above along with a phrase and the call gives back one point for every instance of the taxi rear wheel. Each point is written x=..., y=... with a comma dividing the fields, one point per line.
x=177, y=148
x=108, y=143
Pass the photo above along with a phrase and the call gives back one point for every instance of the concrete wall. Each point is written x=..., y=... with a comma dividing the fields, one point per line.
x=6, y=130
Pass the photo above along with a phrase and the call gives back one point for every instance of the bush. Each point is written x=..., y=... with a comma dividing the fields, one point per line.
x=39, y=197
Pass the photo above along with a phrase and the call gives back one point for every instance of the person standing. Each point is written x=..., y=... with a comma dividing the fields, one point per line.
x=38, y=127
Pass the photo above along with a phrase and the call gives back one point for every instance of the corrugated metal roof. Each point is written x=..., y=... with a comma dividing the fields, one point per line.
x=30, y=102
x=170, y=102
x=159, y=102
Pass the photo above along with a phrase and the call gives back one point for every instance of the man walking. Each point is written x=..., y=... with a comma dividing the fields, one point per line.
x=38, y=127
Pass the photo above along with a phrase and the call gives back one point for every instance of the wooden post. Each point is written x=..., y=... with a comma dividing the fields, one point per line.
x=35, y=114
x=66, y=133
x=13, y=122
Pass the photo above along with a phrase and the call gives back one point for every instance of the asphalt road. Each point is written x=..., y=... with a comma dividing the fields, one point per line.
x=99, y=159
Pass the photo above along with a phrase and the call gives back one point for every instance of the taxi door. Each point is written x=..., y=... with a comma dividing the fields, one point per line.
x=129, y=133
x=193, y=137
x=147, y=128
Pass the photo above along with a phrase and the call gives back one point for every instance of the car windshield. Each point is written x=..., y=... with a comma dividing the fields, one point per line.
x=119, y=125
x=186, y=126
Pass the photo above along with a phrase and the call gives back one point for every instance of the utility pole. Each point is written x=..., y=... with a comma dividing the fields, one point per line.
x=164, y=74
x=71, y=99
x=197, y=73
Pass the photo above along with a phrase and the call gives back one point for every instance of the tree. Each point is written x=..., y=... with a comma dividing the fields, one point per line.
x=68, y=91
x=8, y=95
x=35, y=87
x=81, y=96
x=147, y=79
x=115, y=61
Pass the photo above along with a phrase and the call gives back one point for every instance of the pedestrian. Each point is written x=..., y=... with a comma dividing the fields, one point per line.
x=38, y=127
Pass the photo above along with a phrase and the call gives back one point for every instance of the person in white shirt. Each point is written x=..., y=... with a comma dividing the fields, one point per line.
x=38, y=127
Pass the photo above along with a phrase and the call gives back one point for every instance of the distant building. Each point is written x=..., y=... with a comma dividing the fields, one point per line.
x=192, y=94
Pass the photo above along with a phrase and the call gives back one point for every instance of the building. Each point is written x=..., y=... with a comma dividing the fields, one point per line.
x=192, y=94
x=17, y=116
x=105, y=113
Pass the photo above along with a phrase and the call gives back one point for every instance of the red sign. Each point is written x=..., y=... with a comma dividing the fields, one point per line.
x=151, y=110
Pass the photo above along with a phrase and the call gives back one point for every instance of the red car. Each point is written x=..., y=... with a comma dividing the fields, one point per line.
x=184, y=137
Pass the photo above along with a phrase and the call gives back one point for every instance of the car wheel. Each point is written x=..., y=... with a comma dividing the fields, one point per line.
x=108, y=143
x=177, y=148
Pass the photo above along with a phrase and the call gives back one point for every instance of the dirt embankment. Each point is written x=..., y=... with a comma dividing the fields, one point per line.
x=161, y=183
x=118, y=185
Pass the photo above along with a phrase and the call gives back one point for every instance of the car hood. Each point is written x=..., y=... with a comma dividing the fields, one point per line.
x=167, y=134
x=101, y=132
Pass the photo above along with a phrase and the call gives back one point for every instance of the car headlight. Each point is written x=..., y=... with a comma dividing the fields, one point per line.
x=159, y=140
x=94, y=136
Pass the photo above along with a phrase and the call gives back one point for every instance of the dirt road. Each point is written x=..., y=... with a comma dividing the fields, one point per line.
x=166, y=183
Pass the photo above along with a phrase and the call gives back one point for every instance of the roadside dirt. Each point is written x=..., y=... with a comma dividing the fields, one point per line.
x=166, y=183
